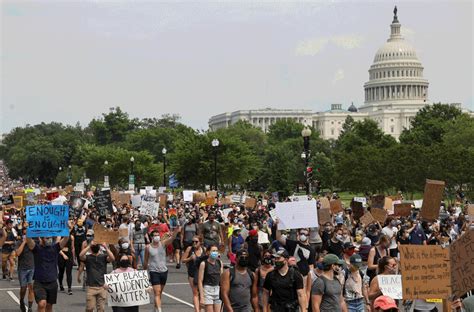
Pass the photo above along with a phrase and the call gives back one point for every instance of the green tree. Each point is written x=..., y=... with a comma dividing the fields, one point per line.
x=113, y=127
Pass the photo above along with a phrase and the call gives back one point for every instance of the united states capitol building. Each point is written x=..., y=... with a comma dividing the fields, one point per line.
x=395, y=92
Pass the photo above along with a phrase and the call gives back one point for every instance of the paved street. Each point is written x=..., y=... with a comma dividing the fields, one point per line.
x=177, y=295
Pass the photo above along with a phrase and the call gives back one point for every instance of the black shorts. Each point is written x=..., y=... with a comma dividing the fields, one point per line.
x=177, y=244
x=46, y=291
x=158, y=278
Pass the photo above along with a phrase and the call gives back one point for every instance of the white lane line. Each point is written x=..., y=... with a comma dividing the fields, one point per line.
x=177, y=299
x=18, y=288
x=14, y=297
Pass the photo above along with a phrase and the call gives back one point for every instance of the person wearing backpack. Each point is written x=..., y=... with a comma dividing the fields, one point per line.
x=209, y=278
x=355, y=286
x=239, y=286
x=284, y=286
x=326, y=292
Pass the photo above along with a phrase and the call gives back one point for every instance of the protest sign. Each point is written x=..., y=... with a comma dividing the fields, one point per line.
x=173, y=217
x=380, y=215
x=124, y=198
x=296, y=215
x=391, y=285
x=211, y=194
x=402, y=210
x=470, y=211
x=250, y=202
x=128, y=288
x=362, y=200
x=236, y=198
x=299, y=198
x=426, y=271
x=188, y=195
x=103, y=202
x=227, y=200
x=210, y=201
x=149, y=208
x=377, y=201
x=324, y=201
x=388, y=205
x=462, y=264
x=418, y=203
x=52, y=195
x=225, y=212
x=7, y=200
x=80, y=187
x=367, y=219
x=18, y=201
x=136, y=201
x=76, y=204
x=163, y=200
x=105, y=235
x=324, y=216
x=335, y=205
x=30, y=198
x=199, y=197
x=432, y=199
x=47, y=220
x=357, y=209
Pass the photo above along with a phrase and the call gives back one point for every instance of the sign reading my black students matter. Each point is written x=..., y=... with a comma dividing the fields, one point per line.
x=128, y=288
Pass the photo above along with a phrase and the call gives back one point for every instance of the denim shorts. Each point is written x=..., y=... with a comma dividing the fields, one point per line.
x=26, y=277
x=211, y=295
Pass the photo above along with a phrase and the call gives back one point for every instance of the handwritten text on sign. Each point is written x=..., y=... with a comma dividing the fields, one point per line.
x=426, y=272
x=391, y=285
x=47, y=220
x=127, y=289
x=462, y=264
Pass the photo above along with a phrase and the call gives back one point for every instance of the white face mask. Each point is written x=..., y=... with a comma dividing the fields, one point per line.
x=303, y=237
x=125, y=246
x=156, y=239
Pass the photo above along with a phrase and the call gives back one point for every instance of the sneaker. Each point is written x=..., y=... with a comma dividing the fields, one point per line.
x=178, y=266
x=11, y=279
x=4, y=276
x=61, y=288
x=69, y=292
x=22, y=307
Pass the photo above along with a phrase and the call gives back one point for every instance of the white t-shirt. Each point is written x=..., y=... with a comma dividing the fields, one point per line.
x=391, y=232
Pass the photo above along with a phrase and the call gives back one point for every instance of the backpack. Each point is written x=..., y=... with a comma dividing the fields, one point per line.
x=232, y=274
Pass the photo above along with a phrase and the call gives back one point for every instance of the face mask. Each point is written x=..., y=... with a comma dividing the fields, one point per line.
x=340, y=237
x=95, y=248
x=156, y=239
x=243, y=262
x=102, y=223
x=350, y=252
x=48, y=242
x=279, y=264
x=319, y=266
x=267, y=260
x=254, y=240
x=89, y=239
x=124, y=263
x=337, y=270
x=214, y=254
x=392, y=270
x=138, y=228
x=303, y=238
x=236, y=220
x=125, y=245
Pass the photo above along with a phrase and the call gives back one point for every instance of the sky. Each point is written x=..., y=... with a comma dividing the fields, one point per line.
x=70, y=61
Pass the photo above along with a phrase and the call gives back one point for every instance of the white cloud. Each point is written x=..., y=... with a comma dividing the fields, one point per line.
x=347, y=42
x=311, y=47
x=338, y=75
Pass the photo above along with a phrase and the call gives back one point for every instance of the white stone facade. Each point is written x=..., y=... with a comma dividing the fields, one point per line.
x=395, y=92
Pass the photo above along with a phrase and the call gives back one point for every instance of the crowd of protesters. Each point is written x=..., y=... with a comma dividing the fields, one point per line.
x=236, y=262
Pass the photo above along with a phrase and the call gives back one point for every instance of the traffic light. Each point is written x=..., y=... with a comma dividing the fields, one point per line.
x=309, y=174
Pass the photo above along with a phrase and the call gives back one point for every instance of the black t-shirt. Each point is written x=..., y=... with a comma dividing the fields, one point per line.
x=96, y=267
x=335, y=248
x=305, y=255
x=282, y=290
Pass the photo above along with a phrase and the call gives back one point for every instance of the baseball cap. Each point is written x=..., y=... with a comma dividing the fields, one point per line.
x=385, y=303
x=366, y=241
x=281, y=253
x=356, y=260
x=332, y=259
x=253, y=233
x=236, y=228
x=242, y=252
x=348, y=245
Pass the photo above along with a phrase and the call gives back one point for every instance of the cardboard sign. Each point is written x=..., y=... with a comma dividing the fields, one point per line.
x=227, y=200
x=388, y=205
x=357, y=209
x=432, y=199
x=211, y=194
x=324, y=202
x=402, y=210
x=47, y=220
x=105, y=235
x=367, y=219
x=210, y=201
x=335, y=206
x=163, y=200
x=324, y=216
x=199, y=197
x=18, y=201
x=380, y=215
x=391, y=286
x=7, y=200
x=103, y=202
x=297, y=215
x=250, y=202
x=128, y=289
x=462, y=264
x=377, y=201
x=470, y=211
x=124, y=198
x=426, y=271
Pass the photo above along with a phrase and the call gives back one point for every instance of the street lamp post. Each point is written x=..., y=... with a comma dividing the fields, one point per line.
x=131, y=178
x=215, y=145
x=306, y=133
x=69, y=175
x=163, y=151
x=106, y=177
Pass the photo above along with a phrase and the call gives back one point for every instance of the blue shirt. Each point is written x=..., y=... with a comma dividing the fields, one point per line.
x=46, y=263
x=417, y=236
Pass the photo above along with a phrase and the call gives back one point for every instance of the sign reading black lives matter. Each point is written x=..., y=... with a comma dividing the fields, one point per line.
x=128, y=288
x=103, y=202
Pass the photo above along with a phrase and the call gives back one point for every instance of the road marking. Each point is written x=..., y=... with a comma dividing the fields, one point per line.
x=177, y=299
x=15, y=298
x=18, y=288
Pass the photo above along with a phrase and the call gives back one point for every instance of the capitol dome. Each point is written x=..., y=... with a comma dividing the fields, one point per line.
x=396, y=75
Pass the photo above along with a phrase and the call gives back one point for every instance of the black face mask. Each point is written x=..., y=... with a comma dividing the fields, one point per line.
x=254, y=240
x=243, y=262
x=124, y=263
x=95, y=248
x=267, y=260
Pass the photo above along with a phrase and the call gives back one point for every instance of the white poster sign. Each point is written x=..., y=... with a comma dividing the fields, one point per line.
x=391, y=285
x=236, y=198
x=418, y=203
x=127, y=289
x=361, y=200
x=188, y=195
x=136, y=201
x=297, y=215
x=149, y=208
x=296, y=198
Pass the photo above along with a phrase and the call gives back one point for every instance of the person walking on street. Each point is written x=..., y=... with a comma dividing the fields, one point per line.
x=26, y=270
x=191, y=257
x=65, y=263
x=210, y=271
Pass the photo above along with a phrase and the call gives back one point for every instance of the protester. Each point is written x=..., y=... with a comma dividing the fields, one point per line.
x=261, y=274
x=191, y=257
x=8, y=251
x=385, y=304
x=212, y=231
x=377, y=252
x=386, y=265
x=124, y=265
x=356, y=286
x=65, y=263
x=209, y=278
x=139, y=241
x=26, y=271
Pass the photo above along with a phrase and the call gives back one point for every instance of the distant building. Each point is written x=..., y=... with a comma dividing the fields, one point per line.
x=395, y=92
